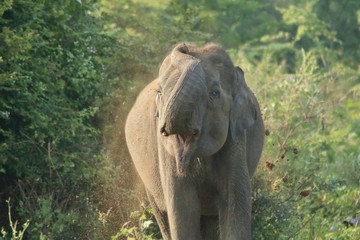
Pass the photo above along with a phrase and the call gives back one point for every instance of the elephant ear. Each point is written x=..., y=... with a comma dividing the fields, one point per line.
x=243, y=110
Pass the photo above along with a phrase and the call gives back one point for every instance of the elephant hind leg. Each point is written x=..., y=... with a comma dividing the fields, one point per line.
x=210, y=227
x=161, y=218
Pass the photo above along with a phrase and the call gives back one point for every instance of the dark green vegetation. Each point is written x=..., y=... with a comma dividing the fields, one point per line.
x=70, y=70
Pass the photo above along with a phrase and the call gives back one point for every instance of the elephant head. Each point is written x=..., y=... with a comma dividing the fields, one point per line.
x=202, y=101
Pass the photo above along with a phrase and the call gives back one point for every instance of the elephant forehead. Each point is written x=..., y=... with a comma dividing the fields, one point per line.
x=212, y=76
x=216, y=78
x=216, y=55
x=218, y=68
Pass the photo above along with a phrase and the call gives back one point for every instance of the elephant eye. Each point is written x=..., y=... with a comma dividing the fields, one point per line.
x=214, y=94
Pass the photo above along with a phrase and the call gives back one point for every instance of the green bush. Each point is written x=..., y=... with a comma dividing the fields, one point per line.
x=141, y=226
x=15, y=232
x=307, y=184
x=50, y=82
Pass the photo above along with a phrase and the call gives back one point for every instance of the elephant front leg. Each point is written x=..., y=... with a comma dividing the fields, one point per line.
x=209, y=227
x=183, y=211
x=235, y=209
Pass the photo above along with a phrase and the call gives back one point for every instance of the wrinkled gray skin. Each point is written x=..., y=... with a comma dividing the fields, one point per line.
x=195, y=135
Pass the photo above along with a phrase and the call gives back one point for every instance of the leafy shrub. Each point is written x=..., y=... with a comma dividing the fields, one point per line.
x=15, y=233
x=307, y=185
x=141, y=226
x=49, y=88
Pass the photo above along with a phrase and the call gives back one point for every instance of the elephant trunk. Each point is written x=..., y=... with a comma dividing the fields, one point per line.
x=182, y=113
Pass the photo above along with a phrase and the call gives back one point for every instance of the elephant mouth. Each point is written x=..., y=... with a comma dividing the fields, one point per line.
x=184, y=138
x=184, y=151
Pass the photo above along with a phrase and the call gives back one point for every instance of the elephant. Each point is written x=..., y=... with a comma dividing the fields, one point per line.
x=195, y=135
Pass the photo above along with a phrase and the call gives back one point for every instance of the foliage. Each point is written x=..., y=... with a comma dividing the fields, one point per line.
x=50, y=82
x=305, y=189
x=15, y=233
x=145, y=228
x=70, y=70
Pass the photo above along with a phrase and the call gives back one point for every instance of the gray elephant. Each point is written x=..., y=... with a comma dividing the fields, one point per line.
x=195, y=135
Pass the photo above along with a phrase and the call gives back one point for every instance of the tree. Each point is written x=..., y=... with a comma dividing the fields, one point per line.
x=50, y=85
